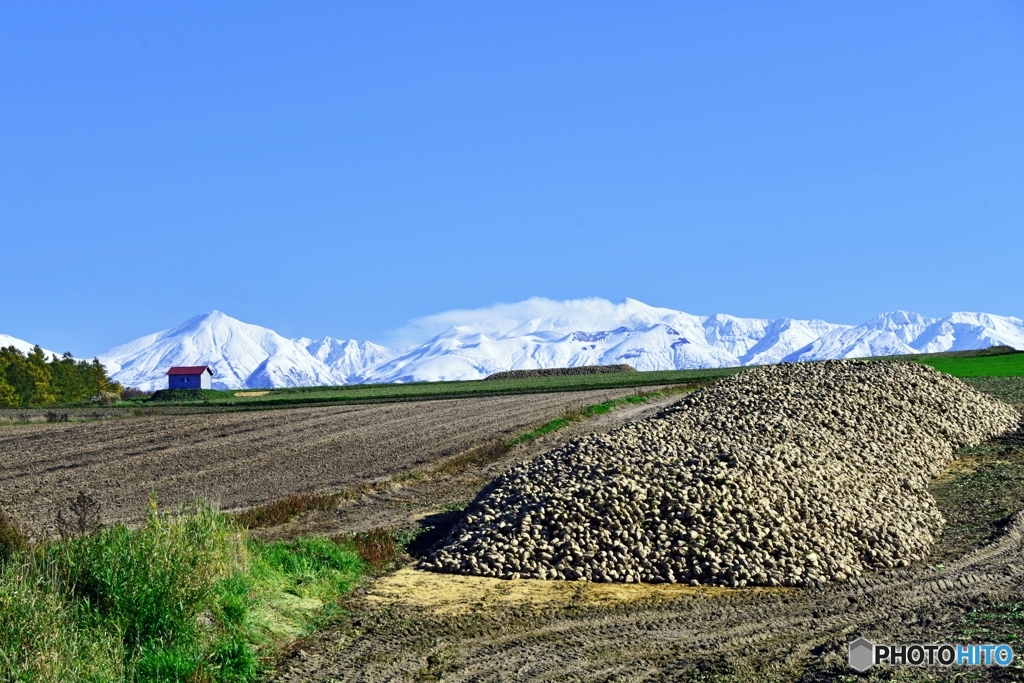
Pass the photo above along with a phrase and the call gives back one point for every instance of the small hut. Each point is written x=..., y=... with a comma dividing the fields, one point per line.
x=189, y=377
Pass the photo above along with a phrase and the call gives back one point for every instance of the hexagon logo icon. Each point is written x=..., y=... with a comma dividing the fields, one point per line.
x=862, y=654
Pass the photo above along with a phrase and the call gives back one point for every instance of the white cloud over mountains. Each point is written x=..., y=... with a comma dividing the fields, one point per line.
x=582, y=314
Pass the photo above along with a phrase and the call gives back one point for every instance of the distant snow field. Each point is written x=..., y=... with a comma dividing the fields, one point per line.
x=22, y=345
x=538, y=333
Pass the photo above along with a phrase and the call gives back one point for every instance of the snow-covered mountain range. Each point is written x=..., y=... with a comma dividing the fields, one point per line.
x=538, y=333
x=241, y=355
x=22, y=345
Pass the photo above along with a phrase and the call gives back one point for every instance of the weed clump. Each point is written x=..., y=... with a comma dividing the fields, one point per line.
x=105, y=398
x=378, y=547
x=481, y=455
x=285, y=509
x=81, y=517
x=13, y=537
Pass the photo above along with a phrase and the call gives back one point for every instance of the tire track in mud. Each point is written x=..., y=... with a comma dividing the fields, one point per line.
x=784, y=633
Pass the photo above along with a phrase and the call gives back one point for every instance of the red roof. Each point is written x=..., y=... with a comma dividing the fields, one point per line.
x=190, y=370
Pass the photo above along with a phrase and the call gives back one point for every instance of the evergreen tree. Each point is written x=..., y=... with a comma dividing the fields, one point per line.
x=14, y=370
x=33, y=381
x=40, y=375
x=99, y=382
x=70, y=379
x=8, y=397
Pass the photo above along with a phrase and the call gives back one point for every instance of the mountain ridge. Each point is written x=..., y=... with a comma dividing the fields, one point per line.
x=540, y=333
x=25, y=347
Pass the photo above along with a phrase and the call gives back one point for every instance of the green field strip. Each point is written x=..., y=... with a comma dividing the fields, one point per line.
x=1007, y=365
x=372, y=393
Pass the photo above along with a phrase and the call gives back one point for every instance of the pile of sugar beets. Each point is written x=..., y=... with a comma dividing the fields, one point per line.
x=788, y=475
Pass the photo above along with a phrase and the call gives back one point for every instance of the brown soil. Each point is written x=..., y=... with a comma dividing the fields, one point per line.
x=242, y=459
x=413, y=499
x=419, y=626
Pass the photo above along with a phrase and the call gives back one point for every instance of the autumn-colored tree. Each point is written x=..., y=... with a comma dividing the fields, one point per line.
x=33, y=381
x=40, y=374
x=14, y=370
x=99, y=382
x=8, y=396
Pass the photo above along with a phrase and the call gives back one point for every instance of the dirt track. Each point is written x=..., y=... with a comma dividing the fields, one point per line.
x=240, y=459
x=660, y=633
x=419, y=626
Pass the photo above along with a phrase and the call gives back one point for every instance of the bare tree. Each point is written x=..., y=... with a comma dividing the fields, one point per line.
x=81, y=517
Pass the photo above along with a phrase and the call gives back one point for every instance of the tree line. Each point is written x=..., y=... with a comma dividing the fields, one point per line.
x=31, y=380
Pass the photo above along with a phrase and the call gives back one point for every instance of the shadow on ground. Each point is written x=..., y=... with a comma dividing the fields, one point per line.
x=432, y=530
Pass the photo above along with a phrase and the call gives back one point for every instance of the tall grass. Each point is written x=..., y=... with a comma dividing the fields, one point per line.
x=185, y=597
x=43, y=638
x=13, y=538
x=152, y=584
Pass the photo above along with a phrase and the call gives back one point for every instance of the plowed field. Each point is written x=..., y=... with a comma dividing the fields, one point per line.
x=421, y=626
x=418, y=626
x=240, y=459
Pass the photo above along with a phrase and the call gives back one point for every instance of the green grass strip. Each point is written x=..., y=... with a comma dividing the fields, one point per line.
x=547, y=428
x=416, y=391
x=572, y=416
x=1007, y=365
x=184, y=597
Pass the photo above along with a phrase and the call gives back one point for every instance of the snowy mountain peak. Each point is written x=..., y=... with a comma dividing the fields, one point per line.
x=895, y=319
x=963, y=331
x=240, y=355
x=348, y=359
x=538, y=333
x=903, y=325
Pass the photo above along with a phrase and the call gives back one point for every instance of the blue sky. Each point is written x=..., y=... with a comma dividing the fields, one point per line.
x=340, y=168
